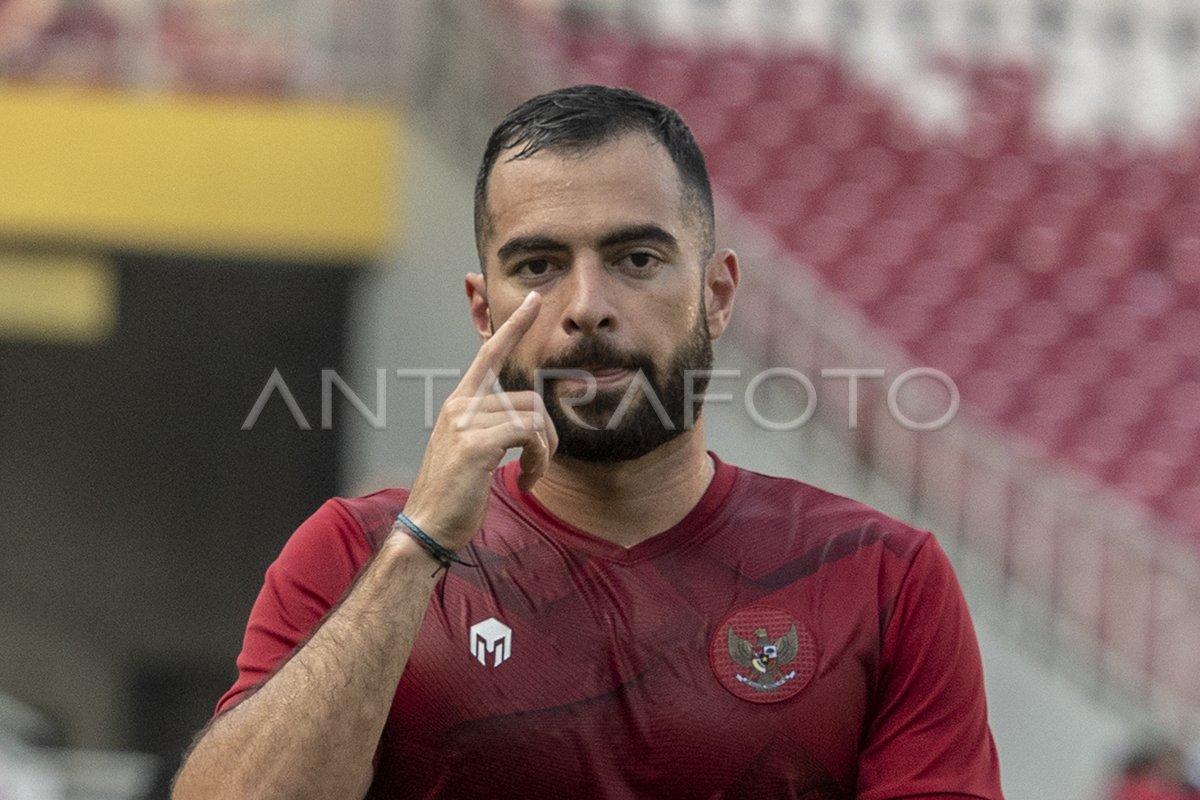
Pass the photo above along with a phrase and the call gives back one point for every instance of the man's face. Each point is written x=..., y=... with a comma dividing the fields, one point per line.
x=605, y=238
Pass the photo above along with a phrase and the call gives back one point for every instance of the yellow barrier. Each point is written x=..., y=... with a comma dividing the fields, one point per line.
x=254, y=178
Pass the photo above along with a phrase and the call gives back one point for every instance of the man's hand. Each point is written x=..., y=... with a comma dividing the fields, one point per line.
x=474, y=429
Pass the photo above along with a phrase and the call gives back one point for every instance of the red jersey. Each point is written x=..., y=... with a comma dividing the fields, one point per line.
x=779, y=641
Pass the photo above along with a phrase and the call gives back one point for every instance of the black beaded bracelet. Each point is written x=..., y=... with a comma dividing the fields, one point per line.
x=440, y=553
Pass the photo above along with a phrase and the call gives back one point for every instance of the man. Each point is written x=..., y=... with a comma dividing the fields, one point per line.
x=635, y=618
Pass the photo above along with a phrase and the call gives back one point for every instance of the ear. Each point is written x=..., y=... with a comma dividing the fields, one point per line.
x=481, y=312
x=720, y=284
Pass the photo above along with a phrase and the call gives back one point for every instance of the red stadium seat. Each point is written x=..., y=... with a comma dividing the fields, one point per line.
x=907, y=317
x=1154, y=364
x=937, y=281
x=1150, y=292
x=876, y=167
x=851, y=203
x=943, y=171
x=1039, y=247
x=1002, y=285
x=1083, y=290
x=738, y=164
x=1041, y=323
x=1086, y=358
x=918, y=208
x=1060, y=285
x=1182, y=403
x=1181, y=330
x=1183, y=259
x=1056, y=396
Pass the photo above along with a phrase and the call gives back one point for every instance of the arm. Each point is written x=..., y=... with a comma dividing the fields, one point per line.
x=313, y=728
x=929, y=735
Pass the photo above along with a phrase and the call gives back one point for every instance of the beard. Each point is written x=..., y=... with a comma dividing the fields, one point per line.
x=612, y=427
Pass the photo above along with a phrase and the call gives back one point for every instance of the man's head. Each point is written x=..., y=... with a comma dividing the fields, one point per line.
x=598, y=200
x=580, y=118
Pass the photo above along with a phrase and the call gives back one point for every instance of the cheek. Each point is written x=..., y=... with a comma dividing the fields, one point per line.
x=673, y=316
x=532, y=349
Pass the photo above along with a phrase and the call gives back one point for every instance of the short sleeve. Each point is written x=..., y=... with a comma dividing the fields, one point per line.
x=313, y=571
x=929, y=736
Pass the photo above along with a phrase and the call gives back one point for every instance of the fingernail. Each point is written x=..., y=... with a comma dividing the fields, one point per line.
x=528, y=298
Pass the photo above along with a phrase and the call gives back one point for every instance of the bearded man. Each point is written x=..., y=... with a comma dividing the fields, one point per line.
x=617, y=613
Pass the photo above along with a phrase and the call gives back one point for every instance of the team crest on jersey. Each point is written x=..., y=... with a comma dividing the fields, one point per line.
x=763, y=654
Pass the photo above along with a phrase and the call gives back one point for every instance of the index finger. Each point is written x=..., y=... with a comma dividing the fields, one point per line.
x=497, y=348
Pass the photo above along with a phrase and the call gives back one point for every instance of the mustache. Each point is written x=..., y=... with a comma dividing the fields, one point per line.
x=597, y=354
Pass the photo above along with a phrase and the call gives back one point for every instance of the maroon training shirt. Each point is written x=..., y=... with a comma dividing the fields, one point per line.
x=780, y=641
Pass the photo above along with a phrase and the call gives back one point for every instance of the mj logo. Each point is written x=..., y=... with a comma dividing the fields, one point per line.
x=491, y=636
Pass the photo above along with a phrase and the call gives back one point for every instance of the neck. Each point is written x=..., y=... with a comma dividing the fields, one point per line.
x=629, y=501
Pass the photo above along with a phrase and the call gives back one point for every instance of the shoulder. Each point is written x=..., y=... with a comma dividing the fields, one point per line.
x=342, y=534
x=786, y=513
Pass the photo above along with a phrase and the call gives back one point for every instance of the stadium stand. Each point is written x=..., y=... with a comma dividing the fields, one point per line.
x=1041, y=250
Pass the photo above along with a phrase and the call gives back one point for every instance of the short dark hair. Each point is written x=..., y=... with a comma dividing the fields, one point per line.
x=578, y=118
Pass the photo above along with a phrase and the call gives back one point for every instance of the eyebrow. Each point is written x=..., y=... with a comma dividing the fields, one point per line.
x=640, y=233
x=648, y=232
x=528, y=244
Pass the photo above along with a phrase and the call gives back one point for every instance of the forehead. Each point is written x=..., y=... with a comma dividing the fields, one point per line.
x=567, y=194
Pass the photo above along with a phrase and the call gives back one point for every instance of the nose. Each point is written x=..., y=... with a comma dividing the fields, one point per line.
x=588, y=306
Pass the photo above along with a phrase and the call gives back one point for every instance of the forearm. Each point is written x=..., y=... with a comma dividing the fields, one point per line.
x=313, y=728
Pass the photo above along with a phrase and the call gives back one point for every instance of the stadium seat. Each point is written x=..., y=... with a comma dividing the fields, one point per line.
x=1058, y=281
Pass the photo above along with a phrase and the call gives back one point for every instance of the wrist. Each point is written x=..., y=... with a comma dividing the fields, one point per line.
x=406, y=528
x=400, y=548
x=432, y=525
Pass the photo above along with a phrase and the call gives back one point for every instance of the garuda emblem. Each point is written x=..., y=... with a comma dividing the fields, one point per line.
x=763, y=667
x=767, y=660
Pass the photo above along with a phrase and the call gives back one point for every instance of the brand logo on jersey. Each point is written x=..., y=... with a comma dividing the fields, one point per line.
x=763, y=654
x=494, y=637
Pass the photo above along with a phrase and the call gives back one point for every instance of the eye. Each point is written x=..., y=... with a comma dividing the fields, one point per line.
x=639, y=261
x=534, y=268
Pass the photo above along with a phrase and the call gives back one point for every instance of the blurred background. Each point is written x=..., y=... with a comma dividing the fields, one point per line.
x=232, y=240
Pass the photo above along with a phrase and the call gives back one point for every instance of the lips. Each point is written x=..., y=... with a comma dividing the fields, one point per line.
x=608, y=373
x=599, y=376
x=595, y=376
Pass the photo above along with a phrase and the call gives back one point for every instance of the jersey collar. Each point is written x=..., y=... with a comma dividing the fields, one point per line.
x=703, y=517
